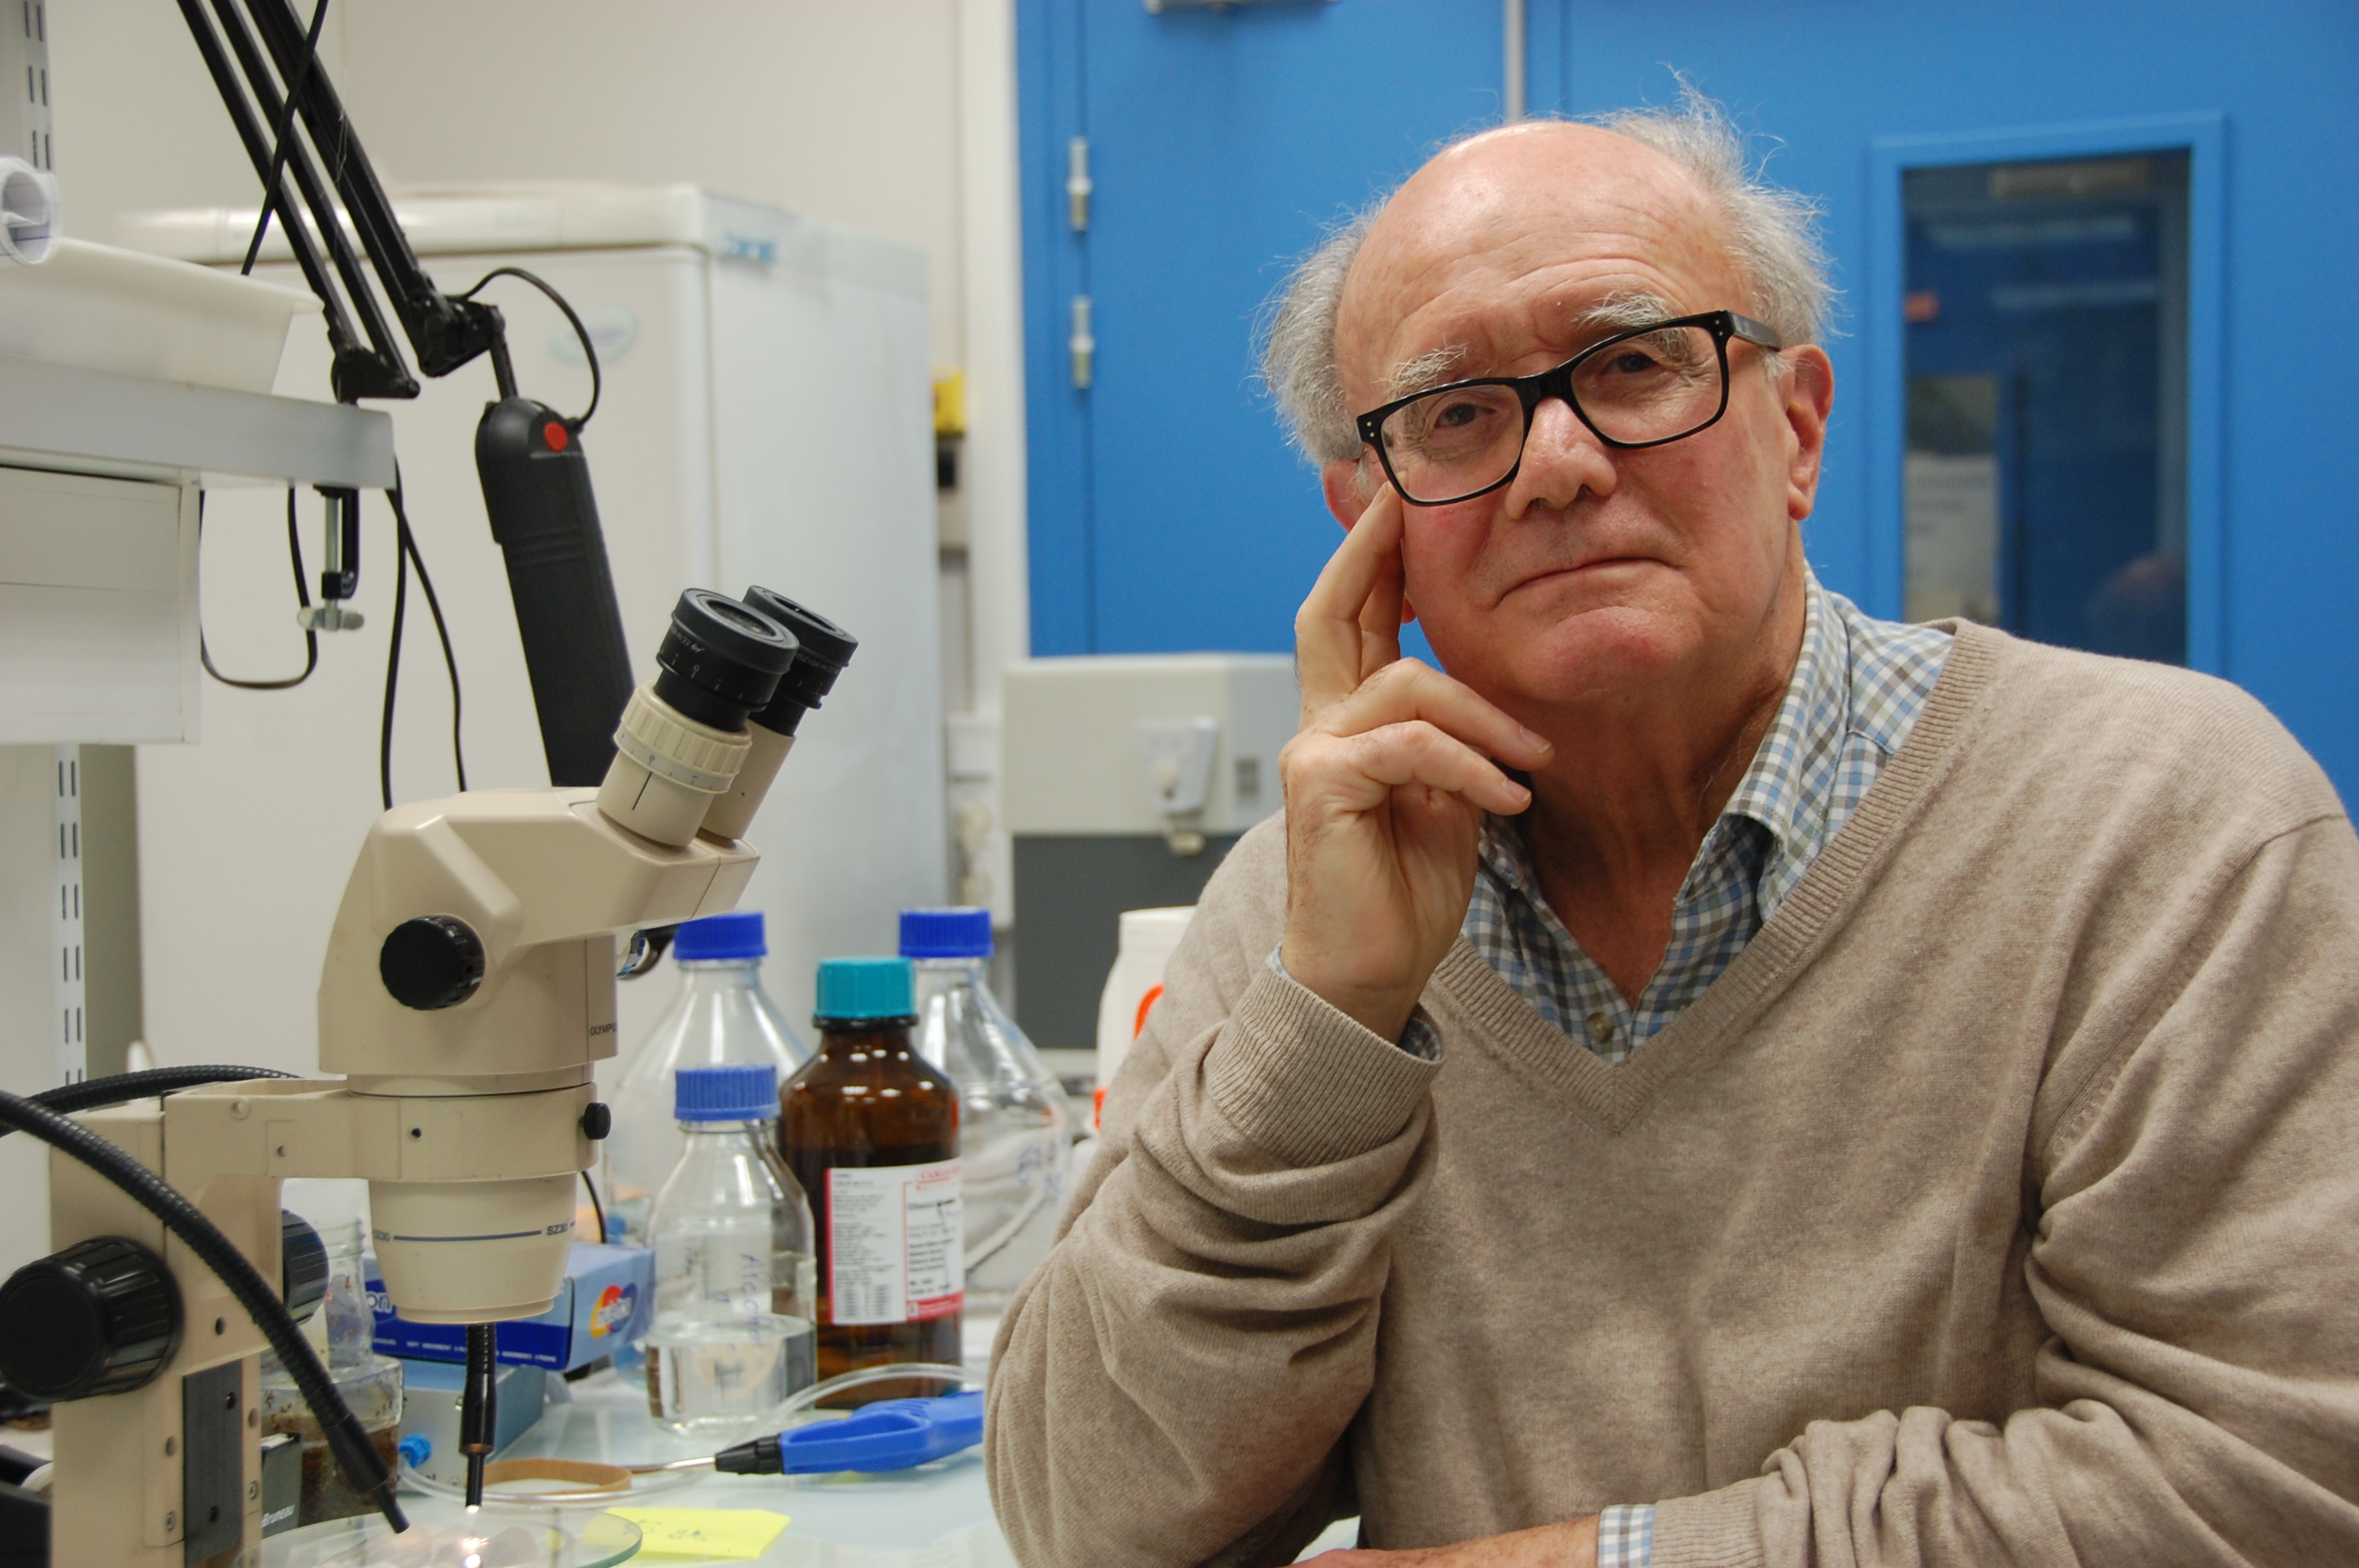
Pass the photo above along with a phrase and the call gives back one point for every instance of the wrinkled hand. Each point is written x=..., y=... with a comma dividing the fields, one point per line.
x=1386, y=788
x=1572, y=1544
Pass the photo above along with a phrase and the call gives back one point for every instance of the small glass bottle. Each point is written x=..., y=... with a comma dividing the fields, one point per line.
x=1013, y=1139
x=735, y=1273
x=343, y=1330
x=721, y=1016
x=871, y=1131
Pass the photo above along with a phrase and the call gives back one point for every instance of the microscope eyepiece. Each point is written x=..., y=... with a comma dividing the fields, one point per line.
x=826, y=649
x=720, y=660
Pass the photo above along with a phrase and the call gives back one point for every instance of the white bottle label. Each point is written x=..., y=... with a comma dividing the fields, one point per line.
x=895, y=1252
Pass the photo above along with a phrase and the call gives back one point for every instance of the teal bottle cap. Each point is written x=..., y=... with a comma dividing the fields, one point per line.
x=865, y=987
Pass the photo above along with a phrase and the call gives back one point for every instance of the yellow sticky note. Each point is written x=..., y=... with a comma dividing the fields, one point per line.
x=735, y=1535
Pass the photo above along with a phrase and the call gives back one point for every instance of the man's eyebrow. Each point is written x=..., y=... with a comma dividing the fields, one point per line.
x=1620, y=312
x=1425, y=372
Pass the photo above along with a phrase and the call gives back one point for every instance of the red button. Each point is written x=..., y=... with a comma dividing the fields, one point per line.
x=556, y=434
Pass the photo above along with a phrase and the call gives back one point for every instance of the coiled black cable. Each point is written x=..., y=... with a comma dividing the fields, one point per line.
x=94, y=1094
x=364, y=1470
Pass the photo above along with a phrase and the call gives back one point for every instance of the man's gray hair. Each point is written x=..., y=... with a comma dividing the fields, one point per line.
x=1772, y=237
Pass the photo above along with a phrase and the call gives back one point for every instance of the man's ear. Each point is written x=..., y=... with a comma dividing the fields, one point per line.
x=1347, y=490
x=1809, y=385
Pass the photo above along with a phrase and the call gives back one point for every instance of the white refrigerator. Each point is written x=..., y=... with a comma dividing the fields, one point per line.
x=766, y=418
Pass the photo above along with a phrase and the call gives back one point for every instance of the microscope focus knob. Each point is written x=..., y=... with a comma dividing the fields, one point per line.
x=597, y=1120
x=101, y=1317
x=434, y=961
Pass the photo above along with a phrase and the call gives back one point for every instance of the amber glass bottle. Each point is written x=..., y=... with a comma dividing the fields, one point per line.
x=871, y=1131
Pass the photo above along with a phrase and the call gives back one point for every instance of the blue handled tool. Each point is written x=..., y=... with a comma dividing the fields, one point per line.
x=891, y=1434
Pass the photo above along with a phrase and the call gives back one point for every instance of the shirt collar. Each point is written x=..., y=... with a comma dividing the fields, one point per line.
x=1808, y=728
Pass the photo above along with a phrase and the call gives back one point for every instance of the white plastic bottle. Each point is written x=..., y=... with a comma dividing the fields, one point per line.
x=721, y=1016
x=737, y=1276
x=1014, y=1137
x=1144, y=943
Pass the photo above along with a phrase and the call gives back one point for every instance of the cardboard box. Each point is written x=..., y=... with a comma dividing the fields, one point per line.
x=607, y=1302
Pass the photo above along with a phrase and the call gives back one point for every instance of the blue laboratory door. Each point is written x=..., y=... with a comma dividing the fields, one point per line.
x=1167, y=511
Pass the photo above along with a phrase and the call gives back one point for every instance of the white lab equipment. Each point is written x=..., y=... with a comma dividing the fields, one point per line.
x=1013, y=1139
x=766, y=418
x=1128, y=778
x=722, y=1015
x=736, y=1277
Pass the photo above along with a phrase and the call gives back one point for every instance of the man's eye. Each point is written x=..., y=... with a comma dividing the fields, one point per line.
x=1457, y=416
x=1633, y=362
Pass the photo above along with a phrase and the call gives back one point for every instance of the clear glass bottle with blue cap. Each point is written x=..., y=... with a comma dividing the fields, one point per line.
x=735, y=1317
x=871, y=1129
x=1013, y=1132
x=721, y=1016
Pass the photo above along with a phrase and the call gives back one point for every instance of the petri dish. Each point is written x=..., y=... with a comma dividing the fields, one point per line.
x=443, y=1535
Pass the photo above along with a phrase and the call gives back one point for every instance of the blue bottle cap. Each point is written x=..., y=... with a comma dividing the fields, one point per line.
x=865, y=987
x=721, y=936
x=946, y=934
x=740, y=1091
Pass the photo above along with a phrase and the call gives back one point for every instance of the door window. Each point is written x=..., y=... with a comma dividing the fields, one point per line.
x=2045, y=466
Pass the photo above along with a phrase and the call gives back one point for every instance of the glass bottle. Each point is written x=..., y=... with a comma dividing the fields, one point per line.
x=343, y=1330
x=735, y=1274
x=721, y=1016
x=1014, y=1136
x=870, y=1129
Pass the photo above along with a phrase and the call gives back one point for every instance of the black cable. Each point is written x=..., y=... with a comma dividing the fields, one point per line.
x=405, y=554
x=356, y=1457
x=285, y=127
x=303, y=599
x=479, y=1406
x=409, y=543
x=94, y=1094
x=589, y=350
x=596, y=1207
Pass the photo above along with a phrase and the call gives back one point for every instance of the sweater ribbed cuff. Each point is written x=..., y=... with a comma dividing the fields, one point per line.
x=1307, y=1083
x=1712, y=1530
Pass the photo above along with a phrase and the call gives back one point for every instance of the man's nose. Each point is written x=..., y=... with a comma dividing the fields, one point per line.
x=1563, y=457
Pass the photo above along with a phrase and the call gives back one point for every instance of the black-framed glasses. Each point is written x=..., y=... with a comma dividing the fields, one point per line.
x=1644, y=387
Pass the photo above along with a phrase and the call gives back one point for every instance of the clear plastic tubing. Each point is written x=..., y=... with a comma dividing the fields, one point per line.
x=736, y=1275
x=1015, y=1142
x=721, y=1016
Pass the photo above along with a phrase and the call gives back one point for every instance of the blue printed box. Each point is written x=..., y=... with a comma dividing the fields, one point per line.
x=607, y=1302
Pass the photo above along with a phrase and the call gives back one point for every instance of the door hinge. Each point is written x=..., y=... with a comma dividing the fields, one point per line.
x=1083, y=346
x=1077, y=182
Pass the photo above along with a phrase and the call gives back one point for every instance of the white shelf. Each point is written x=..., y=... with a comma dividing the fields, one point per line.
x=68, y=418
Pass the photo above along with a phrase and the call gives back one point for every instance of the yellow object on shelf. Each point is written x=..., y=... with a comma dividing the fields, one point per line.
x=950, y=402
x=733, y=1535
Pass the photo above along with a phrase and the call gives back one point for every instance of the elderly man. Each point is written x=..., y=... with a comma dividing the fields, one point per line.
x=1805, y=1090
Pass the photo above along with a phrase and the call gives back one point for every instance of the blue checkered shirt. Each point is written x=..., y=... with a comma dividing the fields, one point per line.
x=1857, y=687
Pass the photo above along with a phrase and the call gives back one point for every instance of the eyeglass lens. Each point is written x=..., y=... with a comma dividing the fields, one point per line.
x=1460, y=440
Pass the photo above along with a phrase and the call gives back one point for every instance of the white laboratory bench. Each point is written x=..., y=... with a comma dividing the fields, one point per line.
x=937, y=1516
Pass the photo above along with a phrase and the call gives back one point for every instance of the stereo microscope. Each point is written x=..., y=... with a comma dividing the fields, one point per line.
x=468, y=990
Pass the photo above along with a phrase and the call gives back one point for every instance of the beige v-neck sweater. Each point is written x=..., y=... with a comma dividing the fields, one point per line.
x=1999, y=1205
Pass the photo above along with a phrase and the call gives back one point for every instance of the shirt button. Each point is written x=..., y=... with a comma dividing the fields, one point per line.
x=1601, y=1027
